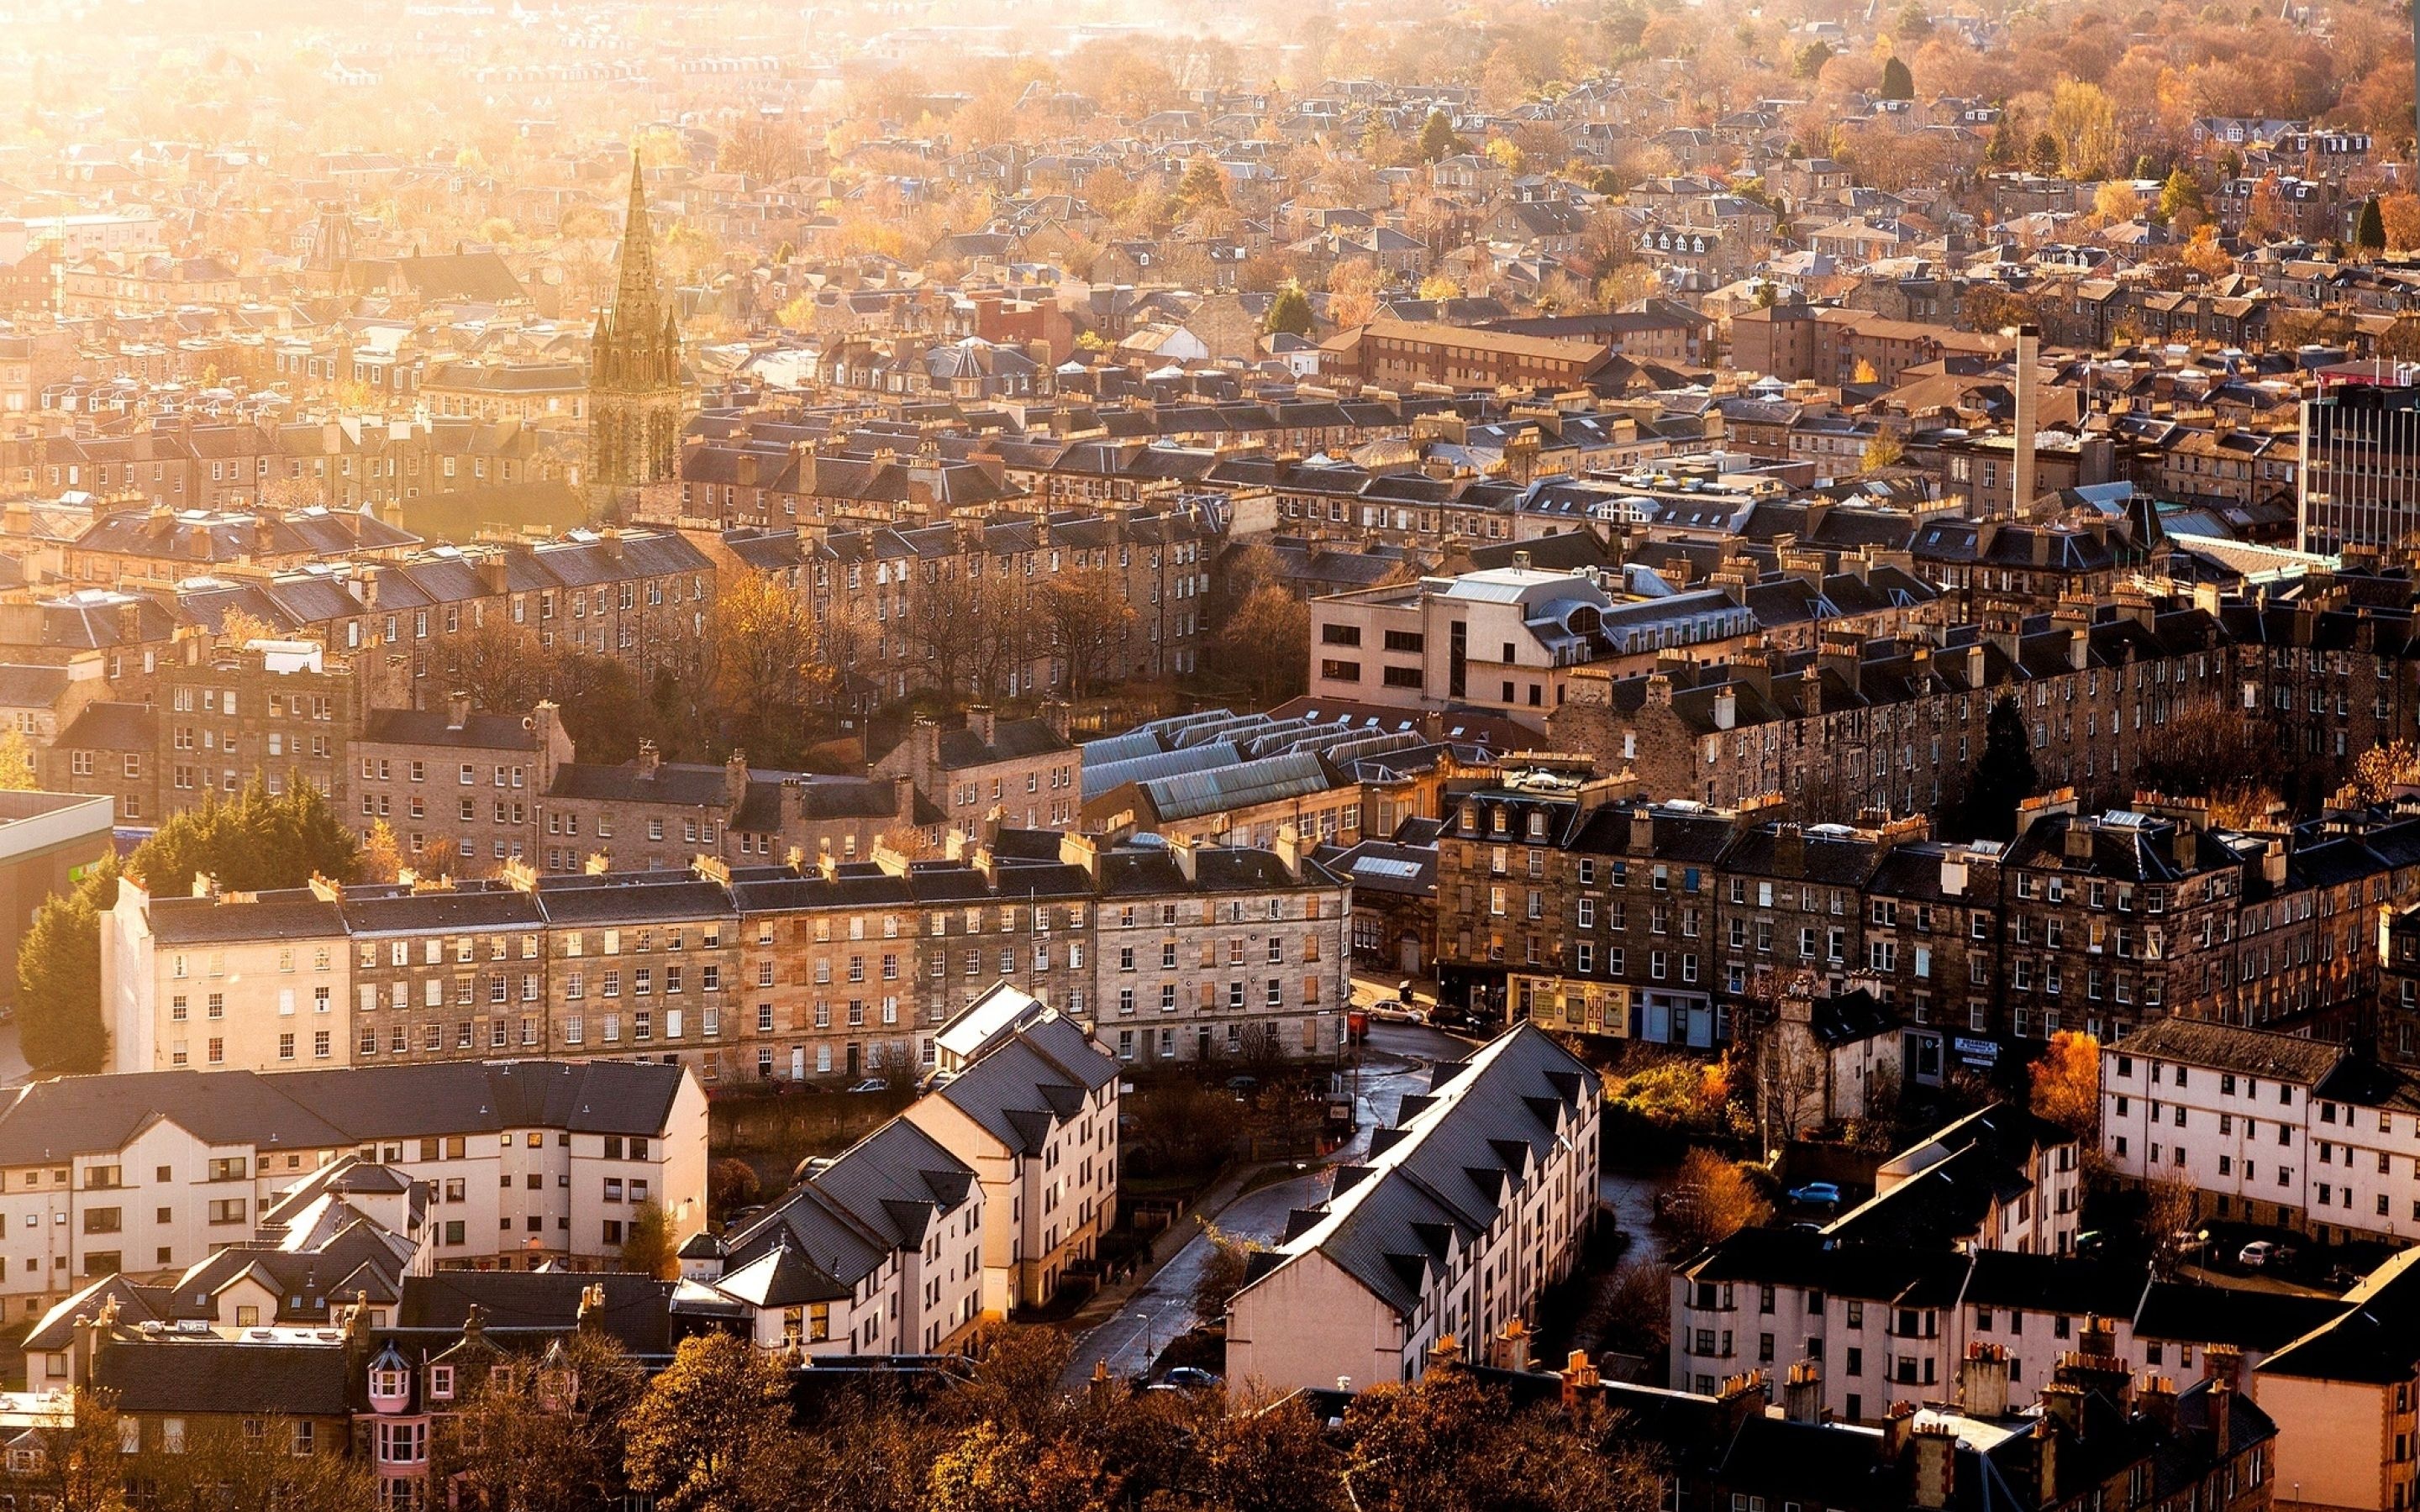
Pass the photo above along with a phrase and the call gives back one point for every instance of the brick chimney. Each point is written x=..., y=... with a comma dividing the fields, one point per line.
x=982, y=721
x=649, y=760
x=457, y=709
x=1933, y=1479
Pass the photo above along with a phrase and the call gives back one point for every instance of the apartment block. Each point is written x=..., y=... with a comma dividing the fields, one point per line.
x=2267, y=1128
x=522, y=1162
x=1028, y=1101
x=1475, y=1202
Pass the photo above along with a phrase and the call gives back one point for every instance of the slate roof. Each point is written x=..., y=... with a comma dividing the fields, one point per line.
x=1457, y=1156
x=1022, y=1087
x=49, y=1120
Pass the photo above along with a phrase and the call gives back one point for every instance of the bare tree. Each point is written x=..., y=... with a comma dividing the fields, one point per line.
x=1085, y=615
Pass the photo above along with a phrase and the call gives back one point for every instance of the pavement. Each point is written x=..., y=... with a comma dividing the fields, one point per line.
x=1126, y=1325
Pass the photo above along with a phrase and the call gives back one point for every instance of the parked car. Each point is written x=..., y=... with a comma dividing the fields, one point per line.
x=1189, y=1376
x=1817, y=1195
x=2259, y=1253
x=872, y=1084
x=1396, y=1011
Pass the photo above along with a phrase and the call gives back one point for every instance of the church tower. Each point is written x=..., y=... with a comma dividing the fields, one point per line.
x=634, y=375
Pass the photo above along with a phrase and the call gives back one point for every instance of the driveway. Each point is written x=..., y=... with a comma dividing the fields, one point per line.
x=1396, y=1061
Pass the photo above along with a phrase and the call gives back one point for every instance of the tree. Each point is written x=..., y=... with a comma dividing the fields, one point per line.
x=1898, y=84
x=382, y=854
x=16, y=763
x=257, y=842
x=2180, y=196
x=730, y=1182
x=256, y=1462
x=2170, y=1206
x=1290, y=312
x=58, y=977
x=1224, y=1274
x=2085, y=121
x=81, y=1466
x=1437, y=139
x=1913, y=24
x=548, y=1438
x=1713, y=1200
x=2400, y=213
x=2369, y=232
x=712, y=1433
x=1266, y=641
x=2043, y=156
x=769, y=667
x=2380, y=770
x=2003, y=775
x=1884, y=450
x=648, y=1246
x=2066, y=1081
x=1203, y=187
x=2115, y=203
x=764, y=151
x=499, y=664
x=1811, y=59
x=1084, y=615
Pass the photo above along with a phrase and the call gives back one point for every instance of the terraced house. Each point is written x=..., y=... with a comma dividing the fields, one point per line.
x=1565, y=899
x=834, y=969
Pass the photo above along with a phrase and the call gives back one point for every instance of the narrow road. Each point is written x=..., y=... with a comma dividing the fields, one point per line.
x=1396, y=1061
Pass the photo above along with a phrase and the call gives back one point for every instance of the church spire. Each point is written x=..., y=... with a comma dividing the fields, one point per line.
x=636, y=291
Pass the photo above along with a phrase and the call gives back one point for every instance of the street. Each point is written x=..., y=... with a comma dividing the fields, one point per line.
x=1396, y=1060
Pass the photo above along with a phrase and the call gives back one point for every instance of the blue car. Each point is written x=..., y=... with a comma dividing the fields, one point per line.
x=1817, y=1195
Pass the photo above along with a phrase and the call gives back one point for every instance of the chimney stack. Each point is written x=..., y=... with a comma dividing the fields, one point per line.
x=2021, y=492
x=1801, y=1392
x=457, y=709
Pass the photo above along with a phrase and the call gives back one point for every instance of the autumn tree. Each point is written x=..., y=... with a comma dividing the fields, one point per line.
x=2084, y=121
x=765, y=151
x=547, y=1437
x=730, y=1182
x=382, y=854
x=1084, y=616
x=267, y=1462
x=81, y=1465
x=1714, y=1199
x=1223, y=1272
x=647, y=1243
x=712, y=1433
x=1266, y=642
x=499, y=664
x=16, y=763
x=2066, y=1081
x=768, y=668
x=2381, y=771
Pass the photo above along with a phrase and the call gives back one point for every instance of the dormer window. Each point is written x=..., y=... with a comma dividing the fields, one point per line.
x=390, y=1380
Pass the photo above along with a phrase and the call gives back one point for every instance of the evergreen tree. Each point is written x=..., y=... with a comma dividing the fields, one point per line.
x=2370, y=234
x=1913, y=24
x=1898, y=84
x=1289, y=311
x=2181, y=192
x=2003, y=775
x=58, y=977
x=1437, y=139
